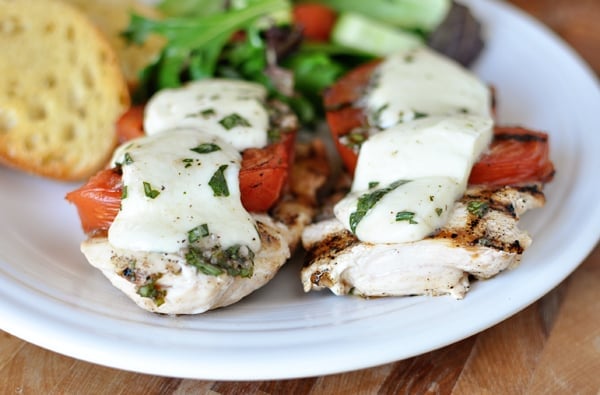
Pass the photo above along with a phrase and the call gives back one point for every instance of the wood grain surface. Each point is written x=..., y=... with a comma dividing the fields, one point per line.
x=551, y=347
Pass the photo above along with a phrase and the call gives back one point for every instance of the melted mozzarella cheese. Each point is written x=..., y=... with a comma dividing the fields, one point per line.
x=231, y=109
x=421, y=82
x=168, y=193
x=432, y=146
x=408, y=212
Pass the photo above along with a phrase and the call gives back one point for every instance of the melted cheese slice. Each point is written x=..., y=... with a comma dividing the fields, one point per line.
x=169, y=193
x=436, y=122
x=408, y=212
x=432, y=146
x=231, y=109
x=432, y=158
x=420, y=82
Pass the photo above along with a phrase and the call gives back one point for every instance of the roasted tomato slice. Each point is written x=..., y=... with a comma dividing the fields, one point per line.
x=98, y=201
x=516, y=156
x=264, y=173
x=342, y=116
x=316, y=20
x=131, y=124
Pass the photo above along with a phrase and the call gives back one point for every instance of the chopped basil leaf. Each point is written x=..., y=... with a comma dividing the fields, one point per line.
x=124, y=192
x=376, y=117
x=439, y=211
x=188, y=162
x=204, y=113
x=368, y=200
x=373, y=184
x=478, y=208
x=206, y=148
x=236, y=260
x=218, y=183
x=151, y=290
x=195, y=258
x=233, y=120
x=406, y=216
x=208, y=112
x=149, y=192
x=420, y=115
x=127, y=159
x=198, y=232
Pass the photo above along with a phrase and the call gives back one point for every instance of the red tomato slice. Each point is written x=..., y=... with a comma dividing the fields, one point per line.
x=98, y=201
x=516, y=156
x=131, y=124
x=317, y=20
x=350, y=87
x=264, y=173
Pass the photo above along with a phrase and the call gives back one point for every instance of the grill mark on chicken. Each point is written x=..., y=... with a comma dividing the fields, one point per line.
x=487, y=244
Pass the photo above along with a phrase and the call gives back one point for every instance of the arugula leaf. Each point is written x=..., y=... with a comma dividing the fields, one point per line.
x=194, y=44
x=192, y=7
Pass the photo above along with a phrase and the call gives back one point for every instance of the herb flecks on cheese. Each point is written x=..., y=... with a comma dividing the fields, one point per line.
x=178, y=187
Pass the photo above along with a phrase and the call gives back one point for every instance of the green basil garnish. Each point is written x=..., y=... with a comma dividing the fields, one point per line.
x=368, y=200
x=233, y=120
x=205, y=148
x=149, y=192
x=478, y=208
x=218, y=183
x=198, y=232
x=406, y=216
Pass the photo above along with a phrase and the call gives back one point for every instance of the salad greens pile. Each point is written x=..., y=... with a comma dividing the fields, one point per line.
x=258, y=40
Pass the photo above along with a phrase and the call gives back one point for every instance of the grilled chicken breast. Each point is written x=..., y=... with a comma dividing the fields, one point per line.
x=481, y=239
x=166, y=283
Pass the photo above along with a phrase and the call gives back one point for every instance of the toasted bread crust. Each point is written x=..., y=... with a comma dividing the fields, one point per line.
x=61, y=90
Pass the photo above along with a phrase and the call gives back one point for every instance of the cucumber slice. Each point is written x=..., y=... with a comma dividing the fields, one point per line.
x=424, y=15
x=364, y=34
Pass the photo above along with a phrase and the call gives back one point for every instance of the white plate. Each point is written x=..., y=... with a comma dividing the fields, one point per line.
x=50, y=296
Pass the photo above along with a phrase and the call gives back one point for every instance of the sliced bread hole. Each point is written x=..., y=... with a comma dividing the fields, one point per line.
x=69, y=133
x=50, y=81
x=81, y=112
x=12, y=88
x=37, y=112
x=11, y=26
x=88, y=80
x=102, y=57
x=70, y=33
x=31, y=142
x=50, y=27
x=52, y=158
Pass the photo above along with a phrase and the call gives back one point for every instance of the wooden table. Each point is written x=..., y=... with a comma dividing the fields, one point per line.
x=553, y=346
